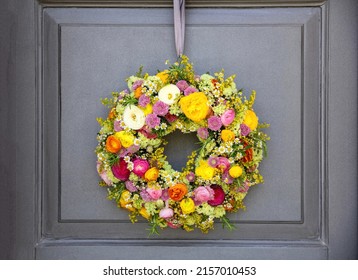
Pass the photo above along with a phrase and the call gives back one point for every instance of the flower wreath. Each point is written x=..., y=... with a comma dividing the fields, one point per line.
x=217, y=176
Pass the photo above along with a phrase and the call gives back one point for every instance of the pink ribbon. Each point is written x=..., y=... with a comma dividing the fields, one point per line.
x=179, y=25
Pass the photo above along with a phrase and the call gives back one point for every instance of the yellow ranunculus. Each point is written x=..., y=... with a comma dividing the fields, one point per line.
x=235, y=171
x=126, y=138
x=195, y=106
x=205, y=171
x=227, y=135
x=251, y=120
x=151, y=174
x=147, y=109
x=163, y=76
x=125, y=201
x=187, y=206
x=144, y=213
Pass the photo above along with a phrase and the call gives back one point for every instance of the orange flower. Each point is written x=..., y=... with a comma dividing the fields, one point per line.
x=177, y=191
x=111, y=114
x=138, y=92
x=113, y=145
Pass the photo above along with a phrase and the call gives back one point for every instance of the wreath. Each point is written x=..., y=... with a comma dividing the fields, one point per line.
x=216, y=178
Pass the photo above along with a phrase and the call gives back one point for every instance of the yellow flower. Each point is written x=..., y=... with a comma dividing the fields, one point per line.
x=125, y=201
x=195, y=106
x=205, y=171
x=144, y=213
x=151, y=174
x=163, y=76
x=147, y=109
x=187, y=206
x=126, y=138
x=227, y=135
x=235, y=171
x=251, y=120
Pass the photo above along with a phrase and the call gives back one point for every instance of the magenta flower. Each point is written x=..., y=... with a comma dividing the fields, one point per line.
x=213, y=161
x=228, y=117
x=154, y=193
x=146, y=131
x=152, y=120
x=120, y=170
x=219, y=195
x=190, y=177
x=140, y=166
x=182, y=85
x=214, y=123
x=165, y=195
x=137, y=84
x=245, y=130
x=130, y=186
x=160, y=108
x=143, y=100
x=171, y=118
x=203, y=133
x=166, y=213
x=190, y=90
x=203, y=194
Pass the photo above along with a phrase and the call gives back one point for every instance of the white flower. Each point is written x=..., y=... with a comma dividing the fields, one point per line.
x=133, y=117
x=168, y=94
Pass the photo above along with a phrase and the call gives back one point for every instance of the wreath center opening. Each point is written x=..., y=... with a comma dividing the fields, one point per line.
x=180, y=146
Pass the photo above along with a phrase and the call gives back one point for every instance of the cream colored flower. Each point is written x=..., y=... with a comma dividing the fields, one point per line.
x=133, y=117
x=168, y=94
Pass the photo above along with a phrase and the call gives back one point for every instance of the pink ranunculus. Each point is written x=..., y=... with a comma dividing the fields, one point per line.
x=182, y=85
x=120, y=170
x=223, y=163
x=152, y=120
x=146, y=131
x=154, y=193
x=165, y=195
x=105, y=178
x=117, y=126
x=160, y=108
x=189, y=90
x=245, y=130
x=130, y=186
x=137, y=84
x=172, y=225
x=219, y=195
x=244, y=188
x=203, y=194
x=166, y=213
x=228, y=117
x=227, y=178
x=203, y=132
x=140, y=166
x=214, y=123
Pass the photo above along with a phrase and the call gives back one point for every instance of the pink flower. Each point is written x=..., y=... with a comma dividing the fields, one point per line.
x=244, y=188
x=214, y=123
x=165, y=195
x=143, y=100
x=223, y=163
x=117, y=126
x=228, y=117
x=137, y=84
x=140, y=166
x=203, y=194
x=227, y=178
x=166, y=213
x=152, y=120
x=213, y=161
x=245, y=130
x=147, y=132
x=190, y=177
x=145, y=196
x=133, y=149
x=203, y=133
x=120, y=170
x=189, y=90
x=103, y=175
x=182, y=85
x=154, y=193
x=219, y=195
x=160, y=108
x=130, y=186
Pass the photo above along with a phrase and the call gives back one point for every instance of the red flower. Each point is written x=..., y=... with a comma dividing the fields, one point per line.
x=219, y=195
x=120, y=170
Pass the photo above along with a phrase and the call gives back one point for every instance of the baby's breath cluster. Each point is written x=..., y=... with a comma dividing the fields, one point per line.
x=130, y=153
